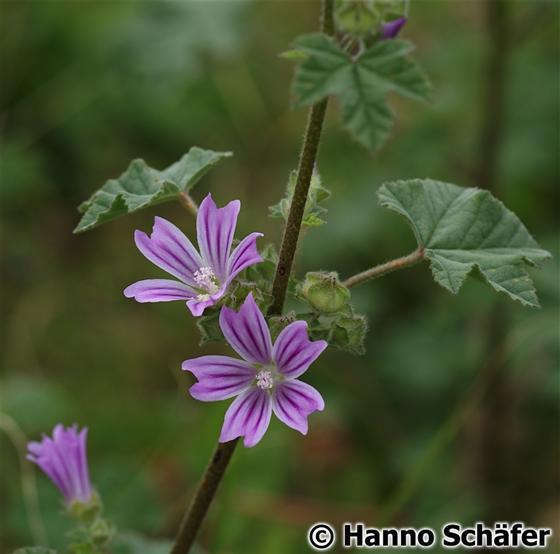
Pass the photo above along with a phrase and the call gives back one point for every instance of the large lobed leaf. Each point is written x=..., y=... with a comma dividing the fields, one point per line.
x=462, y=229
x=141, y=186
x=361, y=82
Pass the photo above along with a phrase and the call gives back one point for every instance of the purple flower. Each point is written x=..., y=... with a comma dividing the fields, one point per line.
x=265, y=381
x=63, y=458
x=204, y=277
x=392, y=28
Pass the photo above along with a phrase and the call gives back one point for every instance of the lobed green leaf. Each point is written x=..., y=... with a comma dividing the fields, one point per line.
x=360, y=82
x=141, y=186
x=463, y=229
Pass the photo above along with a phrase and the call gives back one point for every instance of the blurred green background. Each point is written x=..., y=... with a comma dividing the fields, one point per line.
x=453, y=413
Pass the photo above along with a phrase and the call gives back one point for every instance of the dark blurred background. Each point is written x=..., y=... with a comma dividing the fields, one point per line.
x=453, y=413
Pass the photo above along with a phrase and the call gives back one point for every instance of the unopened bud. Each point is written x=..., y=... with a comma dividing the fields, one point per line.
x=392, y=28
x=325, y=292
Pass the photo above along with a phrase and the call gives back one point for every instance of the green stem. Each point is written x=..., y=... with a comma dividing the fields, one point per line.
x=214, y=473
x=388, y=267
x=203, y=497
x=306, y=164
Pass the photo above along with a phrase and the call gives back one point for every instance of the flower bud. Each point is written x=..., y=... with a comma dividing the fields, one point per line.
x=325, y=292
x=63, y=459
x=392, y=28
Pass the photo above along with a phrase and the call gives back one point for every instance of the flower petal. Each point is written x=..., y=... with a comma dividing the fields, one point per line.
x=244, y=255
x=170, y=249
x=201, y=302
x=247, y=332
x=215, y=228
x=158, y=290
x=293, y=352
x=219, y=377
x=63, y=459
x=248, y=416
x=392, y=28
x=293, y=401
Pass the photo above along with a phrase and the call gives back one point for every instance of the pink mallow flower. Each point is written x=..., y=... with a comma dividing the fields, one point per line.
x=203, y=278
x=63, y=459
x=264, y=381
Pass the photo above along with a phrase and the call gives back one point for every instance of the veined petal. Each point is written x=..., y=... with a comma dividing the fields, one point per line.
x=168, y=248
x=293, y=352
x=219, y=377
x=247, y=332
x=63, y=459
x=158, y=290
x=248, y=416
x=293, y=401
x=244, y=255
x=215, y=228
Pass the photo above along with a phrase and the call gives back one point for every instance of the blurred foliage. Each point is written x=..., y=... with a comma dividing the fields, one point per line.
x=449, y=415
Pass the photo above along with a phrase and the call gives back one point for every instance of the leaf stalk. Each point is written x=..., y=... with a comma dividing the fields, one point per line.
x=383, y=269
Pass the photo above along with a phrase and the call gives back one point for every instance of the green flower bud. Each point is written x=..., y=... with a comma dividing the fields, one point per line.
x=324, y=292
x=357, y=17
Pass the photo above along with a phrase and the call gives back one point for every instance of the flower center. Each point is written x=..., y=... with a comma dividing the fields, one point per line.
x=265, y=380
x=206, y=281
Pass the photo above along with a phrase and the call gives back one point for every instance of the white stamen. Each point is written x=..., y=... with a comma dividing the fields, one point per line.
x=206, y=280
x=265, y=379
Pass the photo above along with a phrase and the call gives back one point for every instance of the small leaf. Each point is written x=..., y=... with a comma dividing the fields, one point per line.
x=466, y=228
x=361, y=83
x=349, y=333
x=141, y=186
x=345, y=331
x=313, y=210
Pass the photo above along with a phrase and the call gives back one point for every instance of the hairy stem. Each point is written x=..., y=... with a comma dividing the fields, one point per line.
x=388, y=267
x=214, y=473
x=203, y=497
x=306, y=164
x=188, y=203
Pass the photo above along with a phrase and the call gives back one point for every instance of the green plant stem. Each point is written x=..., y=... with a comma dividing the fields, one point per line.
x=188, y=203
x=306, y=164
x=215, y=470
x=203, y=497
x=388, y=267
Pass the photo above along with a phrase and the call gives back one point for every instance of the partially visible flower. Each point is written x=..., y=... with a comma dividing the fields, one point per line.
x=204, y=277
x=264, y=381
x=63, y=458
x=392, y=28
